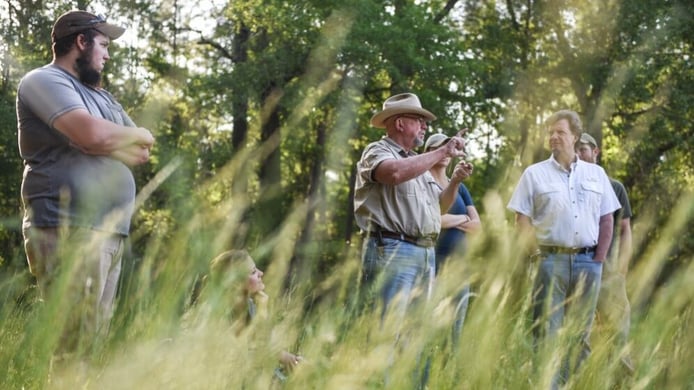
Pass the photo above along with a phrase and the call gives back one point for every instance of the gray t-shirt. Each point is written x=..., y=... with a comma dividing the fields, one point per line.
x=61, y=184
x=622, y=213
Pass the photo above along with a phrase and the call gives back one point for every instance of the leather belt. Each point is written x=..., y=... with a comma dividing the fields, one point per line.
x=567, y=251
x=419, y=241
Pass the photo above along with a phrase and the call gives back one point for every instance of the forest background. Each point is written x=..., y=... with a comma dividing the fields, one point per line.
x=261, y=110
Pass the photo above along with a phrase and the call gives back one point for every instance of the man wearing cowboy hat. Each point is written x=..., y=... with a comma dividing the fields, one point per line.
x=397, y=203
x=77, y=144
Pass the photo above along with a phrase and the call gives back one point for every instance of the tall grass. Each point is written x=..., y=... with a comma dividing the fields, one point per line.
x=154, y=344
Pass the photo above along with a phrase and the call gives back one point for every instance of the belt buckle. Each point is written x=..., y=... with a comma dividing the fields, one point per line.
x=585, y=250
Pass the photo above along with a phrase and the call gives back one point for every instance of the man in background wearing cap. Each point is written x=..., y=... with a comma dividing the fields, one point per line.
x=397, y=203
x=613, y=302
x=564, y=206
x=77, y=144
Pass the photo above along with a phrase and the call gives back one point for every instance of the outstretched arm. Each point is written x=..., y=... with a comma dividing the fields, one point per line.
x=397, y=171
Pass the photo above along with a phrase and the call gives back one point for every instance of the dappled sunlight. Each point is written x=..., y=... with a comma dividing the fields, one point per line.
x=256, y=146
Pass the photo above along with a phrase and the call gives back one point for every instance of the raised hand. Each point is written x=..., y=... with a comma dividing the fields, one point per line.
x=455, y=147
x=462, y=171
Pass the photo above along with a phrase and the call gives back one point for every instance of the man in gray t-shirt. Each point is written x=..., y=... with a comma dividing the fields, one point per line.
x=77, y=144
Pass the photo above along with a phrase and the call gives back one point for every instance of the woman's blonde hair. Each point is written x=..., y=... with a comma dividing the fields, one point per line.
x=227, y=277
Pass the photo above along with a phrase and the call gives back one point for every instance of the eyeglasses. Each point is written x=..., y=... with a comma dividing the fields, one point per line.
x=419, y=119
x=98, y=20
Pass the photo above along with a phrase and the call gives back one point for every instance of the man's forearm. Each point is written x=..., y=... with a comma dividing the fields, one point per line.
x=604, y=237
x=119, y=138
x=526, y=232
x=448, y=195
x=99, y=136
x=625, y=246
x=394, y=172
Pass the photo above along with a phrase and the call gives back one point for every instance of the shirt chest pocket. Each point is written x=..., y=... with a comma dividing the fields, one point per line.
x=547, y=198
x=591, y=195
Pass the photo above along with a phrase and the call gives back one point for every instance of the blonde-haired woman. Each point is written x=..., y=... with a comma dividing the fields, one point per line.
x=236, y=285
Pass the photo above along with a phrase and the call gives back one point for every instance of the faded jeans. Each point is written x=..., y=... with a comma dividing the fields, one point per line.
x=397, y=270
x=565, y=294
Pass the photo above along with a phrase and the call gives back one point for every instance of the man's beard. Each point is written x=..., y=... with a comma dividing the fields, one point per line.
x=86, y=73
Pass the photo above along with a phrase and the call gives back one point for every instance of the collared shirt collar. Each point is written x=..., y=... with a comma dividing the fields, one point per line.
x=402, y=152
x=556, y=164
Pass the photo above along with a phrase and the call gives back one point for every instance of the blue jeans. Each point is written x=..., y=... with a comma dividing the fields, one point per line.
x=566, y=292
x=395, y=268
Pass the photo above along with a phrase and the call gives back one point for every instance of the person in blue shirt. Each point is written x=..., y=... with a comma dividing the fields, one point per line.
x=461, y=218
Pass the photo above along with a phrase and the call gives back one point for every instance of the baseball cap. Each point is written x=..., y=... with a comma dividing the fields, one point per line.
x=75, y=21
x=588, y=139
x=435, y=140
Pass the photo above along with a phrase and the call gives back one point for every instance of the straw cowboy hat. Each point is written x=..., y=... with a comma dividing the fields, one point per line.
x=404, y=103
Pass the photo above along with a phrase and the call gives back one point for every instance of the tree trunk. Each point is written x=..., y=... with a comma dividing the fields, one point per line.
x=240, y=100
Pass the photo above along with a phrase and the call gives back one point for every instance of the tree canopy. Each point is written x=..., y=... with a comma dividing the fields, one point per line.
x=271, y=100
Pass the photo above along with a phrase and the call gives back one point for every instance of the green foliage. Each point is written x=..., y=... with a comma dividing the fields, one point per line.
x=11, y=165
x=260, y=113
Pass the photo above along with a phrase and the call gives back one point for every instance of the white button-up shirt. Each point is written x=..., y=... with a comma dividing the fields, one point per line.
x=564, y=206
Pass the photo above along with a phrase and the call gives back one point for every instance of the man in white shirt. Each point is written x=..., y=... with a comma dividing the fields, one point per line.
x=568, y=205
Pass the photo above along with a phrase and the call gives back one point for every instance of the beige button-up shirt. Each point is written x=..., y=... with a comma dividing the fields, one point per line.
x=411, y=208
